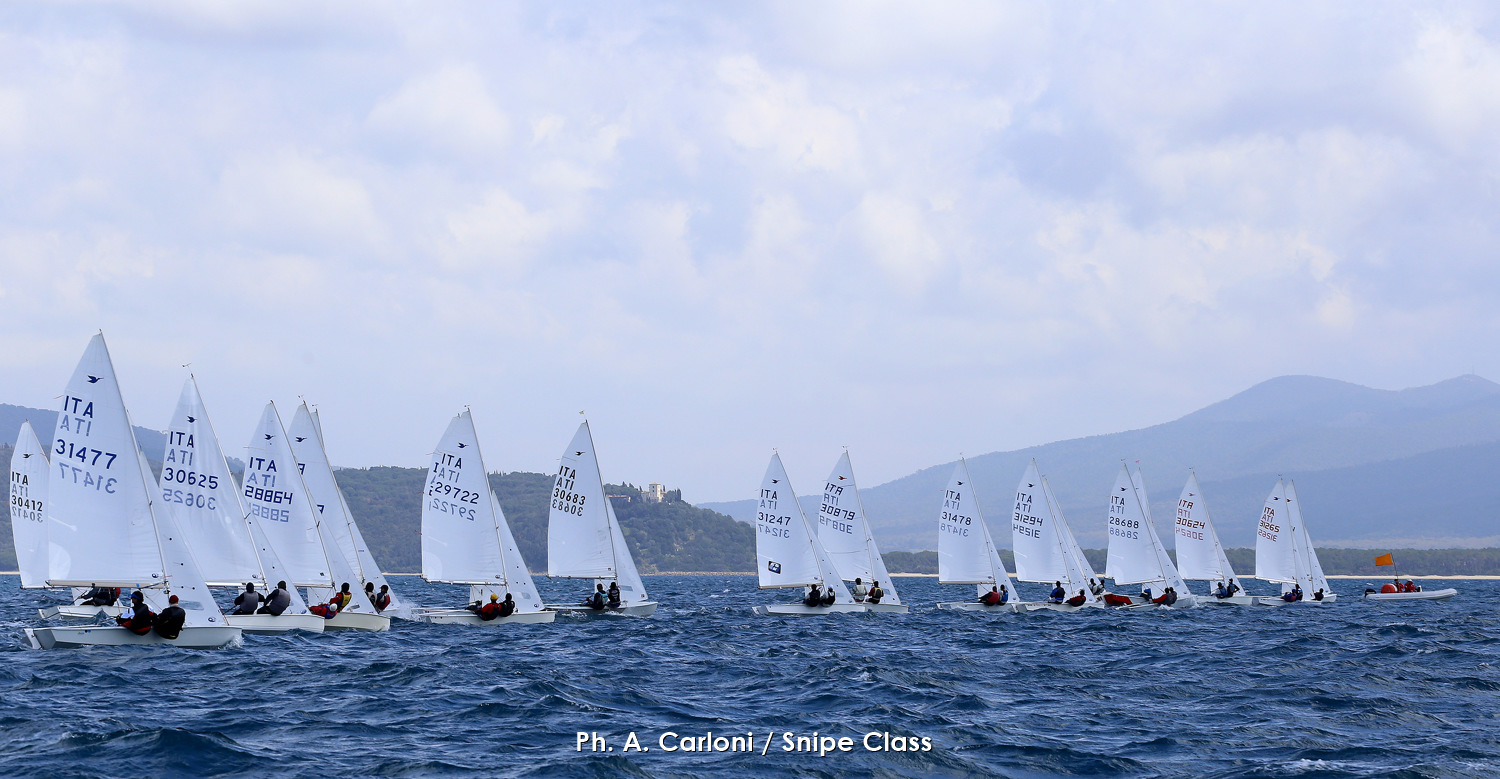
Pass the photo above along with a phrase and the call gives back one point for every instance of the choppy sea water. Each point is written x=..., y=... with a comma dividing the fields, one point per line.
x=1350, y=690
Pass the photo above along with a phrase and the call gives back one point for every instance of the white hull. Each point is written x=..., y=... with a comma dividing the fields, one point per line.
x=211, y=637
x=1233, y=600
x=799, y=610
x=462, y=617
x=1275, y=600
x=80, y=612
x=1424, y=595
x=354, y=620
x=1010, y=608
x=645, y=609
x=1045, y=605
x=885, y=608
x=266, y=624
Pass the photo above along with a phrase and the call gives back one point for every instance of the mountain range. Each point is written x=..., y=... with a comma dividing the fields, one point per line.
x=1414, y=468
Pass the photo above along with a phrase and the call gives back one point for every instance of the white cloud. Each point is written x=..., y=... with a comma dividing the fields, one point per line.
x=449, y=109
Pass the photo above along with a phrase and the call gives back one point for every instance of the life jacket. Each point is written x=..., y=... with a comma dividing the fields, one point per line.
x=168, y=624
x=1076, y=600
x=342, y=599
x=381, y=600
x=990, y=598
x=489, y=611
x=140, y=622
x=507, y=608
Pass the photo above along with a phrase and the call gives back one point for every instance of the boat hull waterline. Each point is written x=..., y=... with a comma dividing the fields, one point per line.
x=800, y=610
x=267, y=624
x=208, y=637
x=354, y=620
x=633, y=610
x=1442, y=594
x=1009, y=608
x=464, y=617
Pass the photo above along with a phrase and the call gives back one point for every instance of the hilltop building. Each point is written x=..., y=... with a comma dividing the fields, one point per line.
x=654, y=493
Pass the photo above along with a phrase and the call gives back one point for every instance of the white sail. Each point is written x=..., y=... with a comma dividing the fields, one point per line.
x=845, y=533
x=465, y=539
x=335, y=520
x=1136, y=554
x=632, y=588
x=787, y=550
x=966, y=550
x=1199, y=553
x=29, y=470
x=1044, y=546
x=460, y=543
x=180, y=569
x=1275, y=540
x=1310, y=568
x=99, y=525
x=368, y=568
x=198, y=492
x=1077, y=561
x=277, y=499
x=579, y=542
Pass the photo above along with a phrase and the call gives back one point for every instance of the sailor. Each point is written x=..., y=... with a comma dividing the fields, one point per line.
x=875, y=593
x=1234, y=587
x=508, y=606
x=1146, y=593
x=381, y=600
x=137, y=617
x=1078, y=600
x=168, y=624
x=330, y=609
x=344, y=597
x=1293, y=595
x=1318, y=595
x=1111, y=599
x=814, y=596
x=248, y=601
x=100, y=596
x=488, y=611
x=1004, y=594
x=1220, y=592
x=370, y=593
x=991, y=598
x=829, y=597
x=277, y=602
x=859, y=590
x=614, y=595
x=1411, y=586
x=1058, y=593
x=1095, y=587
x=596, y=598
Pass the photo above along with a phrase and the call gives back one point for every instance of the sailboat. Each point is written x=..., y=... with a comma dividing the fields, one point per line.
x=29, y=471
x=788, y=553
x=1045, y=548
x=312, y=456
x=845, y=535
x=465, y=538
x=103, y=527
x=1283, y=550
x=1136, y=554
x=966, y=551
x=1199, y=553
x=583, y=535
x=199, y=492
x=276, y=494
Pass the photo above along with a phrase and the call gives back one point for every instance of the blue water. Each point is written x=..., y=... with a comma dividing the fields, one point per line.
x=1351, y=690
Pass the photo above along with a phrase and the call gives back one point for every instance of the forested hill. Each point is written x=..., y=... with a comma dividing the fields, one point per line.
x=667, y=536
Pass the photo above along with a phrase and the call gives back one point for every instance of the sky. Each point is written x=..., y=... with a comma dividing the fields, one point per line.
x=911, y=229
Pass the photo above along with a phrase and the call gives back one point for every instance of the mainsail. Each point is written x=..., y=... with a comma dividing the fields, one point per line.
x=845, y=533
x=787, y=550
x=1276, y=540
x=966, y=550
x=584, y=540
x=1199, y=553
x=276, y=497
x=1044, y=546
x=465, y=539
x=29, y=470
x=1136, y=554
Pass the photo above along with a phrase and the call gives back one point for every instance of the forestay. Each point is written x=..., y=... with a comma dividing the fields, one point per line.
x=966, y=550
x=845, y=533
x=29, y=470
x=787, y=551
x=99, y=524
x=199, y=493
x=1275, y=540
x=275, y=496
x=1199, y=553
x=335, y=522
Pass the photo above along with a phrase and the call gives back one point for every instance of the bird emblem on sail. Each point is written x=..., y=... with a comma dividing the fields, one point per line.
x=461, y=444
x=579, y=454
x=93, y=379
x=191, y=420
x=269, y=436
x=301, y=438
x=841, y=478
